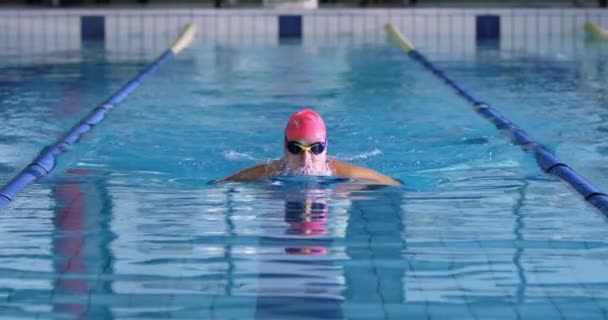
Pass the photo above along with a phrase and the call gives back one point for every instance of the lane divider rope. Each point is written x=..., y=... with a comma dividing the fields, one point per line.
x=545, y=159
x=46, y=159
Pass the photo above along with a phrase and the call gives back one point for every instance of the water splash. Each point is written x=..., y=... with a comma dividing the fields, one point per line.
x=363, y=155
x=234, y=155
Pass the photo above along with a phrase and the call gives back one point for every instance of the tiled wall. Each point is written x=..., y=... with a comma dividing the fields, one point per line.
x=435, y=30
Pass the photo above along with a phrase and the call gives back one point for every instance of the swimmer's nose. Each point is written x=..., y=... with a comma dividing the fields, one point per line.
x=306, y=157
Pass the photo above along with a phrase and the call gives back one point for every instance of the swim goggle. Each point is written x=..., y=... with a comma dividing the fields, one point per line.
x=297, y=148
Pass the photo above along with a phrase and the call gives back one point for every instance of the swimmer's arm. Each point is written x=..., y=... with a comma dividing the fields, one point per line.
x=259, y=172
x=352, y=171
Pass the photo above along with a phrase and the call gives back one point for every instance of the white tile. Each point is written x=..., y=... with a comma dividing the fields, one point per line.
x=177, y=12
x=383, y=18
x=412, y=25
x=604, y=19
x=369, y=23
x=73, y=26
x=390, y=16
x=184, y=20
x=201, y=11
x=506, y=26
x=332, y=25
x=426, y=11
x=207, y=23
x=38, y=26
x=417, y=25
x=308, y=21
x=552, y=12
x=506, y=43
x=110, y=26
x=324, y=26
x=210, y=25
x=246, y=22
x=359, y=24
x=444, y=11
x=500, y=12
x=404, y=21
x=443, y=23
x=312, y=24
x=272, y=27
x=555, y=25
x=307, y=26
x=579, y=24
x=345, y=24
x=595, y=17
x=434, y=25
x=530, y=24
x=259, y=25
x=221, y=25
x=231, y=25
x=457, y=25
x=542, y=29
x=469, y=27
x=568, y=23
x=317, y=25
x=148, y=38
x=175, y=25
x=3, y=31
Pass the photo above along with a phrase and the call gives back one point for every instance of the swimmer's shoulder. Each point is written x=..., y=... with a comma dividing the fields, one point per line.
x=343, y=169
x=258, y=172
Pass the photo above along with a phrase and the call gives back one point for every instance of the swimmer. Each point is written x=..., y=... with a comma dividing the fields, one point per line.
x=305, y=153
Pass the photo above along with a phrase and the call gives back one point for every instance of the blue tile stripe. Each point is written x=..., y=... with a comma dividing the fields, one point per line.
x=46, y=159
x=545, y=159
x=290, y=26
x=92, y=28
x=487, y=27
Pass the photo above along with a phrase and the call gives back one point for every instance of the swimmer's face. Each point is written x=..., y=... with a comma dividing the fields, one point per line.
x=306, y=162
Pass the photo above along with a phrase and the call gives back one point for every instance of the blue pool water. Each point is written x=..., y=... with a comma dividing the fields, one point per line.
x=128, y=226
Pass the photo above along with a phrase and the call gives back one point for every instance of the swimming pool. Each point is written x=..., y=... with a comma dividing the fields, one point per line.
x=128, y=225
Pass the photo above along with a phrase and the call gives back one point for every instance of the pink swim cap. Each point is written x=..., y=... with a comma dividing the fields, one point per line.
x=306, y=124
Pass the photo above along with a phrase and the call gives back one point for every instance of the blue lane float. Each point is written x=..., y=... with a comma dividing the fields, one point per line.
x=545, y=159
x=46, y=159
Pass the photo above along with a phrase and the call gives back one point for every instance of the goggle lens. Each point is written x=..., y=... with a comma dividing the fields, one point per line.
x=297, y=148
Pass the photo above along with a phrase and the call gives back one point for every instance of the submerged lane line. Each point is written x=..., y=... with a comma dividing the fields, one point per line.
x=46, y=159
x=545, y=159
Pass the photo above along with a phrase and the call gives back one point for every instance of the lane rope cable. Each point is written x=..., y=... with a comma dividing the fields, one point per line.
x=545, y=159
x=46, y=159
